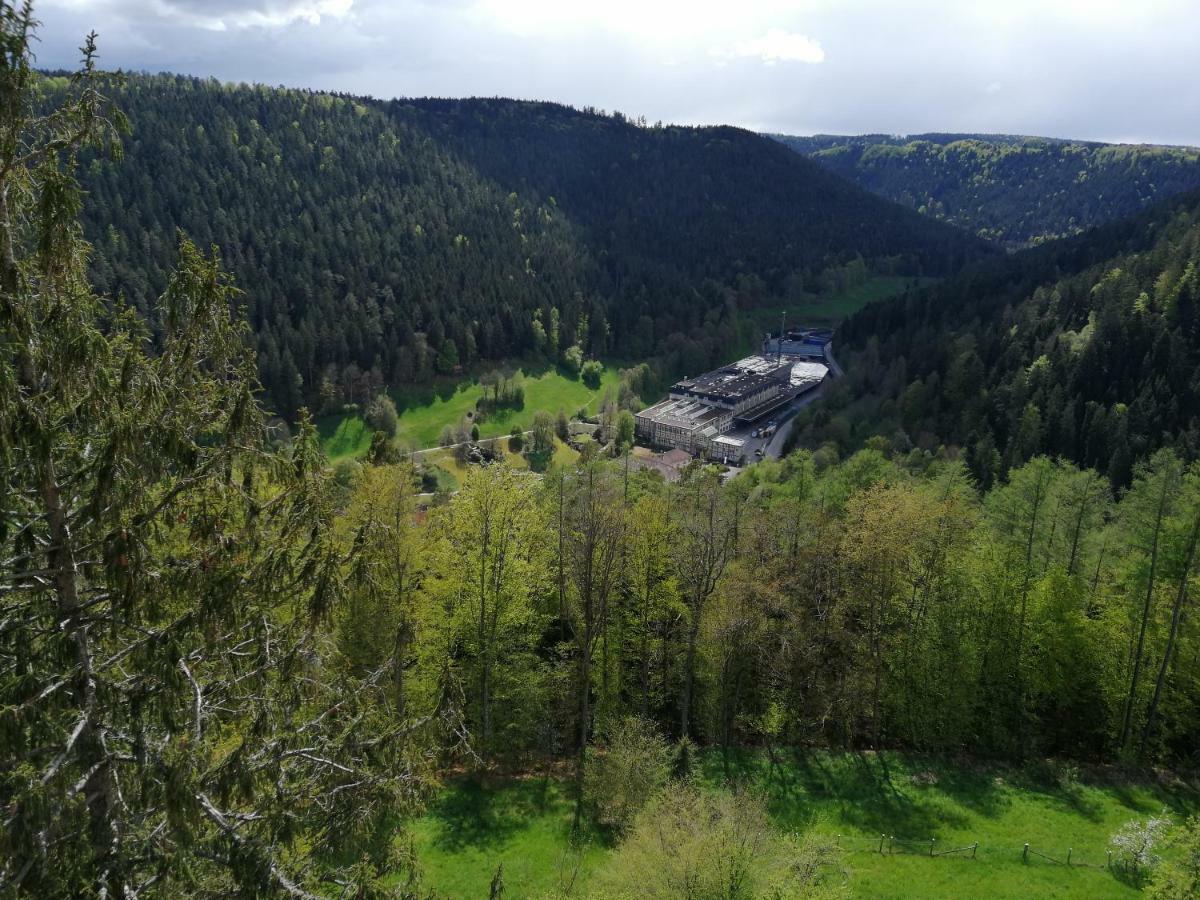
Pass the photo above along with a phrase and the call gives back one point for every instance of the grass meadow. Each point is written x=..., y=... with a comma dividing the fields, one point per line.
x=524, y=824
x=424, y=412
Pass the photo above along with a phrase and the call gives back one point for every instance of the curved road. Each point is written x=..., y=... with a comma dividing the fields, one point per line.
x=774, y=447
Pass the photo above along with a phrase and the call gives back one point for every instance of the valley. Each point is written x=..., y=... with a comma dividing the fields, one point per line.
x=417, y=496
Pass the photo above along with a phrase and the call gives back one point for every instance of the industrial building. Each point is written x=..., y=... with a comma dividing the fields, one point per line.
x=698, y=411
x=803, y=343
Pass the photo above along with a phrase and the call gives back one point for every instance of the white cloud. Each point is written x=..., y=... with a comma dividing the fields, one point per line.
x=222, y=15
x=778, y=45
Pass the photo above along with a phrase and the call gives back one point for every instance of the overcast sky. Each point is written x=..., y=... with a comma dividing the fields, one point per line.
x=1122, y=70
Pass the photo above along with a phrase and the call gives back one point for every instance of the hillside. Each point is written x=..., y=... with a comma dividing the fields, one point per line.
x=1014, y=190
x=1087, y=349
x=386, y=242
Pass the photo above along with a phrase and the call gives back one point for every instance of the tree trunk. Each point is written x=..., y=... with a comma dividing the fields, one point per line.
x=1127, y=718
x=1176, y=616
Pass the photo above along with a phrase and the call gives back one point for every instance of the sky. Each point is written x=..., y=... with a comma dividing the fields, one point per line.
x=1111, y=70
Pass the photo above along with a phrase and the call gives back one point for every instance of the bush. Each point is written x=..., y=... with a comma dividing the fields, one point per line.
x=591, y=373
x=573, y=360
x=381, y=415
x=516, y=440
x=1179, y=875
x=693, y=843
x=562, y=427
x=636, y=764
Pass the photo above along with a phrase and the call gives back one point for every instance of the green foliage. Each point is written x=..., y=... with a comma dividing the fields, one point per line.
x=847, y=799
x=590, y=373
x=175, y=718
x=382, y=416
x=1178, y=876
x=690, y=842
x=1015, y=190
x=634, y=764
x=1084, y=349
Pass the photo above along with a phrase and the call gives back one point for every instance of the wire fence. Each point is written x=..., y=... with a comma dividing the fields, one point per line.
x=890, y=845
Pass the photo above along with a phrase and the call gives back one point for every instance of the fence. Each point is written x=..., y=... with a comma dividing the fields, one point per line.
x=890, y=845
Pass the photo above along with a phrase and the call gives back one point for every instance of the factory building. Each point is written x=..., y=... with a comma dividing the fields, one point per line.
x=804, y=343
x=698, y=410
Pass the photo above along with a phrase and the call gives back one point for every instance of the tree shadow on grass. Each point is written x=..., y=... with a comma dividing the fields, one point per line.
x=474, y=814
x=872, y=792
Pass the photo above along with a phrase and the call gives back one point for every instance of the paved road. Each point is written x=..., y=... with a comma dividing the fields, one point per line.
x=776, y=444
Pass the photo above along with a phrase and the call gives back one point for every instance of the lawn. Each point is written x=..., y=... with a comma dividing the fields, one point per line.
x=522, y=824
x=853, y=798
x=424, y=412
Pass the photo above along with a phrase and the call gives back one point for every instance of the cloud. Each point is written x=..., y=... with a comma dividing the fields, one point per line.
x=1099, y=69
x=778, y=45
x=226, y=15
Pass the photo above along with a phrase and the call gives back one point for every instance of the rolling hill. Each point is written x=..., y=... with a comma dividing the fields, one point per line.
x=1087, y=349
x=386, y=242
x=1014, y=190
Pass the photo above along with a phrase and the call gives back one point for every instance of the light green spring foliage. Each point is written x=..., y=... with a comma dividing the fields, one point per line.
x=173, y=718
x=1178, y=876
x=633, y=765
x=714, y=845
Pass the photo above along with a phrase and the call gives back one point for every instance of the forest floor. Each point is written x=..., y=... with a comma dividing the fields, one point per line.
x=425, y=411
x=853, y=798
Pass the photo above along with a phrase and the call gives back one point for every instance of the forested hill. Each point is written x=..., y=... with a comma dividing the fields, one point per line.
x=1014, y=190
x=383, y=242
x=1088, y=349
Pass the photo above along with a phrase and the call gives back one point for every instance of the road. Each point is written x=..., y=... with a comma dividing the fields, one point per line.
x=777, y=442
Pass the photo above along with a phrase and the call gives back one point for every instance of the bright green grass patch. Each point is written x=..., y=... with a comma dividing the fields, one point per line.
x=422, y=423
x=424, y=412
x=861, y=796
x=343, y=436
x=523, y=825
x=857, y=797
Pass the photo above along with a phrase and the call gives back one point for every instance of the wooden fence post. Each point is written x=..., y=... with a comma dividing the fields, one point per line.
x=931, y=840
x=881, y=840
x=1025, y=854
x=974, y=847
x=1068, y=856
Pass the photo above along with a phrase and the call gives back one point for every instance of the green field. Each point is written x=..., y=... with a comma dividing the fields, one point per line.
x=829, y=310
x=424, y=412
x=525, y=824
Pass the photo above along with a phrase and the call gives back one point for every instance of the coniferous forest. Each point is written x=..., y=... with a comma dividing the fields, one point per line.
x=1016, y=191
x=226, y=670
x=386, y=243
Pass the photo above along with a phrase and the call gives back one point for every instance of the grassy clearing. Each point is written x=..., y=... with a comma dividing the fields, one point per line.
x=525, y=824
x=424, y=412
x=343, y=436
x=831, y=309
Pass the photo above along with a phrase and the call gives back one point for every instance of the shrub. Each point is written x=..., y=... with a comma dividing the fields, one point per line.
x=591, y=372
x=573, y=360
x=381, y=415
x=1179, y=875
x=516, y=440
x=636, y=764
x=692, y=843
x=562, y=427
